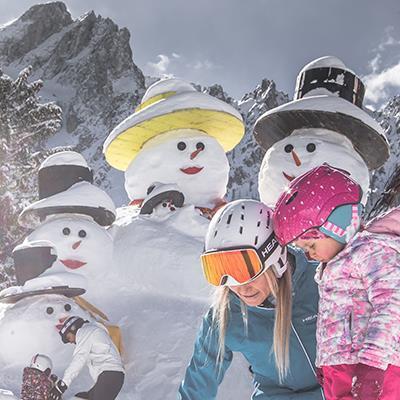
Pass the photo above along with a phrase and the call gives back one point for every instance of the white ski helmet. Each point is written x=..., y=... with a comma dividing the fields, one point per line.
x=246, y=223
x=41, y=362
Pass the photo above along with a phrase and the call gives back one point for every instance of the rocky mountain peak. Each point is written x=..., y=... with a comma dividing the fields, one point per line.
x=32, y=29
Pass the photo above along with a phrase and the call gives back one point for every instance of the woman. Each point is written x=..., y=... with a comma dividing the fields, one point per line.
x=265, y=308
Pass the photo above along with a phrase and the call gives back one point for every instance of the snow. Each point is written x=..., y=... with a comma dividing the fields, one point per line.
x=162, y=161
x=64, y=158
x=325, y=62
x=79, y=194
x=329, y=103
x=330, y=147
x=167, y=85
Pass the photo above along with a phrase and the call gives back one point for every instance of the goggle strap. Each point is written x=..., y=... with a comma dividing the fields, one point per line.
x=268, y=247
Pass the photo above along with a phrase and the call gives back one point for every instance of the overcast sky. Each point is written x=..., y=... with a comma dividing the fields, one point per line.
x=238, y=42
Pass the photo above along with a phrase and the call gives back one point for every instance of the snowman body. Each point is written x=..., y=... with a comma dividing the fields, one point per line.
x=194, y=161
x=302, y=151
x=28, y=327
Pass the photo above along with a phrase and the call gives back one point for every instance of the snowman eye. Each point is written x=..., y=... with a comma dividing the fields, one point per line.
x=82, y=233
x=181, y=146
x=164, y=204
x=66, y=231
x=49, y=310
x=289, y=148
x=311, y=147
x=200, y=146
x=67, y=307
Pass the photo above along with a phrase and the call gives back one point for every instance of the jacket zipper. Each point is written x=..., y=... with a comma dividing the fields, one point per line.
x=306, y=354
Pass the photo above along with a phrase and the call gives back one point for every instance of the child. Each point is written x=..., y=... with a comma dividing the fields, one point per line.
x=358, y=329
x=36, y=380
x=95, y=349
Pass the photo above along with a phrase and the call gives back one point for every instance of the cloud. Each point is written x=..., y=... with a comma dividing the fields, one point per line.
x=381, y=84
x=384, y=79
x=160, y=68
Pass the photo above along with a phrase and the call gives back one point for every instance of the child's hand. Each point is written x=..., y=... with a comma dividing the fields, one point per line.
x=368, y=382
x=59, y=388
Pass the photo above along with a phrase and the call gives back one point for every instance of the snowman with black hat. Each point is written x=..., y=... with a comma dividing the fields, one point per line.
x=73, y=213
x=325, y=123
x=31, y=311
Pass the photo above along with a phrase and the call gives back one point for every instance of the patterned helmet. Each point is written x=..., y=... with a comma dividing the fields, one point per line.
x=310, y=199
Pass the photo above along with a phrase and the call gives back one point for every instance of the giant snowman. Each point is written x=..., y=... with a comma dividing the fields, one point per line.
x=73, y=214
x=172, y=150
x=325, y=123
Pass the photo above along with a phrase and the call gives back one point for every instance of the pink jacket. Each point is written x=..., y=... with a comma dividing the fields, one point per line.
x=359, y=309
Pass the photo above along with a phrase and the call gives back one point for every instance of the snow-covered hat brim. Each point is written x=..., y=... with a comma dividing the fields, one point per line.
x=61, y=290
x=189, y=110
x=327, y=112
x=81, y=198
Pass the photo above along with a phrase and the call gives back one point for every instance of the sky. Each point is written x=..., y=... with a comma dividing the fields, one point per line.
x=237, y=43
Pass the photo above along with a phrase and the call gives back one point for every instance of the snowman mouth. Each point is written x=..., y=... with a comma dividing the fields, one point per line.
x=191, y=170
x=288, y=177
x=73, y=264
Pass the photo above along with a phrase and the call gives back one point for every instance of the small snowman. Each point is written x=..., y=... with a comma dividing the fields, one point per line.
x=325, y=123
x=73, y=214
x=31, y=311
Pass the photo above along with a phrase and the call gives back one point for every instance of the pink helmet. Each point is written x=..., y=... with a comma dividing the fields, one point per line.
x=310, y=199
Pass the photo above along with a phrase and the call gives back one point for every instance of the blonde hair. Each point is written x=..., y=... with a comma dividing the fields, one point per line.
x=281, y=289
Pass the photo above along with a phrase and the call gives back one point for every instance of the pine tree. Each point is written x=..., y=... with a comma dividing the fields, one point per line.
x=24, y=125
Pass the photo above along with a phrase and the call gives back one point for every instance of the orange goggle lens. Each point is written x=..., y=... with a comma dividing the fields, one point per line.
x=242, y=265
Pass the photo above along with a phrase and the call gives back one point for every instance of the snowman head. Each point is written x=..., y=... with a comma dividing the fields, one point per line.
x=193, y=160
x=30, y=327
x=82, y=245
x=302, y=151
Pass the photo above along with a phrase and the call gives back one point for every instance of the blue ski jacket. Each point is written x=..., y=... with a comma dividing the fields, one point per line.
x=203, y=375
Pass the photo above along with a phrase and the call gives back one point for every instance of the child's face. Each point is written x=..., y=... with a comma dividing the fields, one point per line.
x=322, y=250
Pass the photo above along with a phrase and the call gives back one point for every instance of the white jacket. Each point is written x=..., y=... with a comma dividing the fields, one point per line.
x=95, y=349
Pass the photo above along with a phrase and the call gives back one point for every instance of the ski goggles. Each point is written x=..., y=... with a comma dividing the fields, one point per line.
x=237, y=265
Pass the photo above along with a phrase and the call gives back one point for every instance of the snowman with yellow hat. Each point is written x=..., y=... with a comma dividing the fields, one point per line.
x=325, y=123
x=175, y=141
x=172, y=150
x=177, y=135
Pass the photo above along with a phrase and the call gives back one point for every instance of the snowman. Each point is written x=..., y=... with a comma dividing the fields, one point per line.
x=172, y=150
x=31, y=311
x=73, y=214
x=177, y=136
x=325, y=123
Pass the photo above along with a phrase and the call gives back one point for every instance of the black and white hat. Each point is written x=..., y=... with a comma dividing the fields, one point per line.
x=330, y=96
x=31, y=259
x=66, y=186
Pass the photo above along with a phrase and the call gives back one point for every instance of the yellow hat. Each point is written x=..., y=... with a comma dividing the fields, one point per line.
x=167, y=105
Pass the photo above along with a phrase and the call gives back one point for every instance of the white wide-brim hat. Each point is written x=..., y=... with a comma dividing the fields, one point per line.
x=321, y=108
x=168, y=105
x=81, y=198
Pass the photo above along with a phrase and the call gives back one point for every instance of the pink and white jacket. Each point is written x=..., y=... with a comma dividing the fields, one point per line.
x=359, y=308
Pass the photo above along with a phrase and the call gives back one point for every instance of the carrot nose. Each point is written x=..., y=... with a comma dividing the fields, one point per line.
x=76, y=245
x=296, y=158
x=195, y=153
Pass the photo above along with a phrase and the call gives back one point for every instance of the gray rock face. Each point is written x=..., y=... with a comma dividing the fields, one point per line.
x=33, y=28
x=88, y=70
x=246, y=158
